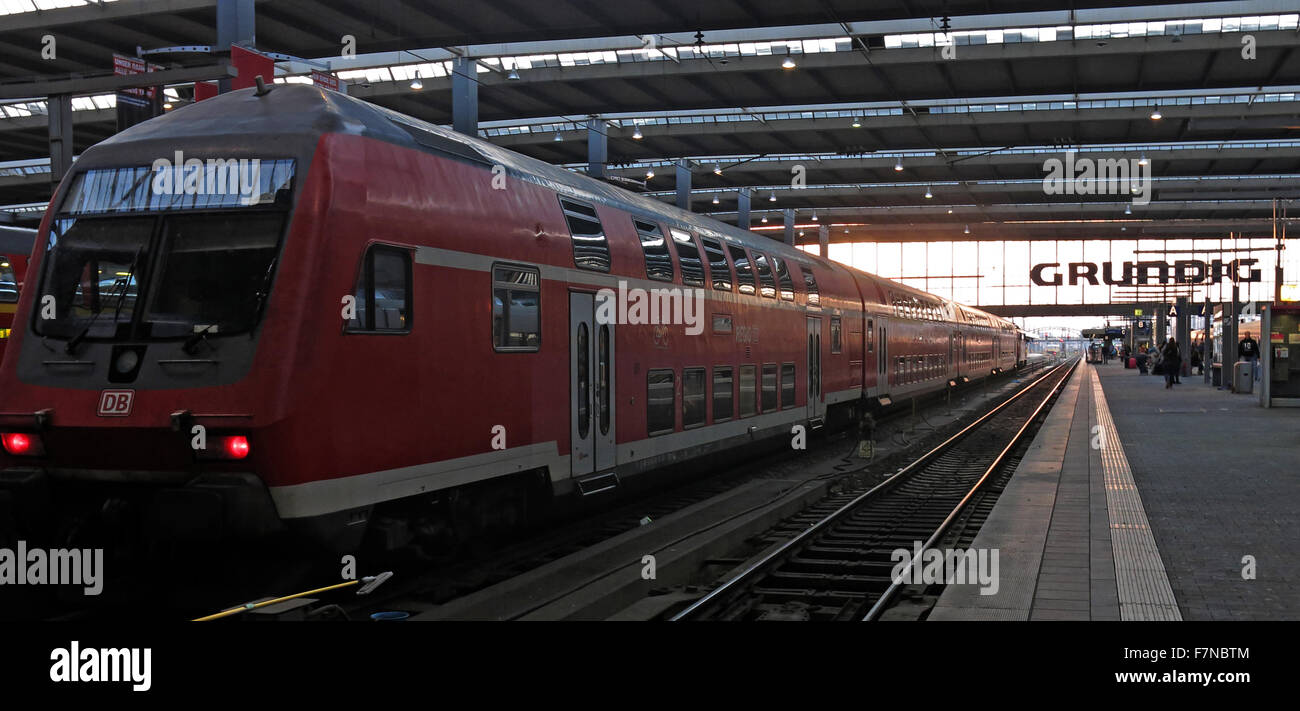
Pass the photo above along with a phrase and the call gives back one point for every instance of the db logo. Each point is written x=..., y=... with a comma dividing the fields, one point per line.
x=115, y=403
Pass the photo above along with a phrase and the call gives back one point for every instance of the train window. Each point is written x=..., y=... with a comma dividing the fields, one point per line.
x=722, y=393
x=383, y=291
x=782, y=269
x=747, y=391
x=661, y=395
x=602, y=377
x=744, y=271
x=516, y=308
x=787, y=386
x=8, y=282
x=693, y=410
x=769, y=387
x=836, y=344
x=658, y=259
x=871, y=335
x=810, y=285
x=688, y=255
x=584, y=381
x=590, y=249
x=719, y=272
x=767, y=285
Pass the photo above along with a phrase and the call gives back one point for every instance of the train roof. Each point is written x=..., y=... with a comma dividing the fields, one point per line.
x=297, y=115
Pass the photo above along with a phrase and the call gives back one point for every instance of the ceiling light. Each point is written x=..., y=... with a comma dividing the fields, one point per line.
x=950, y=211
x=167, y=105
x=717, y=169
x=857, y=122
x=1128, y=209
x=416, y=84
x=788, y=63
x=636, y=133
x=1144, y=160
x=771, y=197
x=899, y=164
x=513, y=75
x=764, y=220
x=814, y=215
x=928, y=194
x=716, y=200
x=558, y=137
x=846, y=230
x=1155, y=113
x=650, y=174
x=967, y=229
x=801, y=233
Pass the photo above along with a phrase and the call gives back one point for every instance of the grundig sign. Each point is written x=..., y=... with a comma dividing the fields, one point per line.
x=1185, y=271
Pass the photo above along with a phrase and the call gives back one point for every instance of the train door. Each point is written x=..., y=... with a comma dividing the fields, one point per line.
x=591, y=386
x=816, y=406
x=882, y=359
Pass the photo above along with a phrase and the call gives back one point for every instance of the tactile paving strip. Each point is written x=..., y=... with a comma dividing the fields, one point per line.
x=1143, y=585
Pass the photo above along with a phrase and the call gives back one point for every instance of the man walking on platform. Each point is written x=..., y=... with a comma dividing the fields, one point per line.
x=1170, y=362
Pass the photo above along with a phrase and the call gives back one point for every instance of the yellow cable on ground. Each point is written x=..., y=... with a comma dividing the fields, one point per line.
x=253, y=606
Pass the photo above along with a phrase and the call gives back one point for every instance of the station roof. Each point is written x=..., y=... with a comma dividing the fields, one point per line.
x=871, y=90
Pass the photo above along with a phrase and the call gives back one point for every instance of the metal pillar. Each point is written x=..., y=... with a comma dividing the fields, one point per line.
x=1160, y=324
x=236, y=25
x=684, y=184
x=1207, y=348
x=1183, y=333
x=60, y=120
x=787, y=215
x=742, y=208
x=597, y=147
x=824, y=241
x=1230, y=316
x=464, y=96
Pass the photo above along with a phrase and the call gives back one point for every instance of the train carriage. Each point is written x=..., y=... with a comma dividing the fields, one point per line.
x=391, y=311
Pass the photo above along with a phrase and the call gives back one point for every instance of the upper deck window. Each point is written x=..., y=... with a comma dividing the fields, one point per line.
x=658, y=258
x=767, y=285
x=590, y=249
x=688, y=255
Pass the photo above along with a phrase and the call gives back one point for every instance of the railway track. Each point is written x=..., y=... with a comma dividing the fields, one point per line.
x=839, y=566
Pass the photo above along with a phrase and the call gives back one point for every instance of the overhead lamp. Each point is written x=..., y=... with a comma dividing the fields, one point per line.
x=717, y=169
x=950, y=211
x=967, y=229
x=636, y=133
x=899, y=165
x=857, y=122
x=716, y=200
x=814, y=215
x=416, y=84
x=801, y=233
x=650, y=174
x=513, y=75
x=772, y=197
x=846, y=230
x=928, y=194
x=167, y=105
x=1155, y=113
x=1128, y=209
x=558, y=137
x=788, y=63
x=1144, y=160
x=764, y=220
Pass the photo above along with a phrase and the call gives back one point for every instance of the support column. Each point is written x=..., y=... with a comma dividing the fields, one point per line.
x=788, y=216
x=824, y=241
x=597, y=147
x=742, y=208
x=236, y=24
x=1207, y=348
x=684, y=184
x=464, y=96
x=1183, y=332
x=1230, y=315
x=60, y=120
x=1160, y=323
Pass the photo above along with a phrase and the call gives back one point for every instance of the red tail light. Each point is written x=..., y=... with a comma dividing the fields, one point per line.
x=22, y=444
x=235, y=447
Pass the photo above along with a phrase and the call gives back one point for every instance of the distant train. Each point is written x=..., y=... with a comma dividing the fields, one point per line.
x=398, y=323
x=15, y=249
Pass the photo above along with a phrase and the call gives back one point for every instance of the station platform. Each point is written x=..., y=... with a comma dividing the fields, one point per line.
x=1134, y=502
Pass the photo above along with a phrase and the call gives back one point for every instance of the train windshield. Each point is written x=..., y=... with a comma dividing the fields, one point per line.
x=167, y=268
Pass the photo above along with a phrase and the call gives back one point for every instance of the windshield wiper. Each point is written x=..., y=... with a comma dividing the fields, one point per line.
x=125, y=282
x=191, y=343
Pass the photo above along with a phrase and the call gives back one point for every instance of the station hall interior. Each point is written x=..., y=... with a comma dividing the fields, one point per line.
x=1103, y=177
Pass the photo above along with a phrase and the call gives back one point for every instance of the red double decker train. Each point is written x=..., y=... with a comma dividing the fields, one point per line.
x=299, y=311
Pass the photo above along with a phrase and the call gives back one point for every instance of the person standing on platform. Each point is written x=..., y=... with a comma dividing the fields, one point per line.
x=1170, y=362
x=1196, y=361
x=1248, y=349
